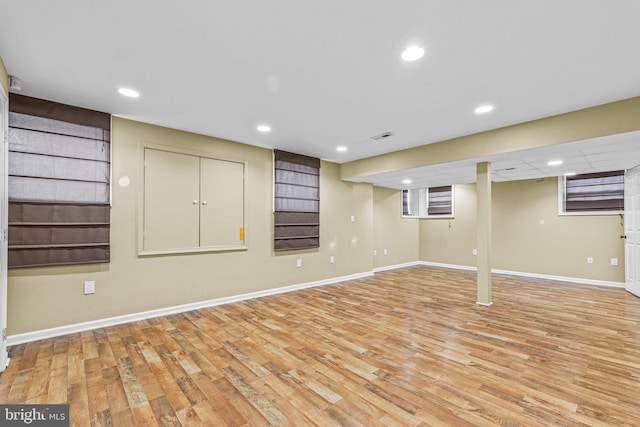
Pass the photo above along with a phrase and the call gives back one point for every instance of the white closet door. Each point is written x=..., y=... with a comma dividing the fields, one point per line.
x=632, y=230
x=171, y=201
x=222, y=206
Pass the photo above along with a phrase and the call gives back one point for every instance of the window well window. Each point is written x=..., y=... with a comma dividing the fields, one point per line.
x=595, y=193
x=429, y=202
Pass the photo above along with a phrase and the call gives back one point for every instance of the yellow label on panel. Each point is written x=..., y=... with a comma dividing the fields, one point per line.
x=241, y=233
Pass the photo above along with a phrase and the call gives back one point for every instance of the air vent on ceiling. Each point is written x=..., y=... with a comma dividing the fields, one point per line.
x=505, y=170
x=383, y=135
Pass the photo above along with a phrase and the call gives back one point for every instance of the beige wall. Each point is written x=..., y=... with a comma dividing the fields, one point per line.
x=49, y=297
x=452, y=240
x=528, y=234
x=4, y=77
x=399, y=236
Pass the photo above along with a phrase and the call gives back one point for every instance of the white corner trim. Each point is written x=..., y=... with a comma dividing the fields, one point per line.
x=574, y=280
x=485, y=304
x=396, y=266
x=133, y=317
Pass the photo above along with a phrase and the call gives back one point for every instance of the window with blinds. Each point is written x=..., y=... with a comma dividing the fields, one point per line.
x=594, y=192
x=428, y=202
x=296, y=201
x=439, y=201
x=59, y=191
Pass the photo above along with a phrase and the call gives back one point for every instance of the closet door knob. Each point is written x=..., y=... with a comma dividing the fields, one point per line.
x=204, y=203
x=195, y=202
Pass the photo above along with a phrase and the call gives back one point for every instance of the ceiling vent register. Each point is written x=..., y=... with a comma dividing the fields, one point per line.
x=383, y=135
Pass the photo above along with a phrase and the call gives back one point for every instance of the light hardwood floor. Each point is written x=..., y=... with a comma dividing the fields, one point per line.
x=405, y=347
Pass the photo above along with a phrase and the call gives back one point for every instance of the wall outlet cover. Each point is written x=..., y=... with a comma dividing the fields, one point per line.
x=89, y=287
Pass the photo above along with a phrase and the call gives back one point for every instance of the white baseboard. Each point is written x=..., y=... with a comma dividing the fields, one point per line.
x=574, y=280
x=133, y=317
x=452, y=266
x=485, y=304
x=396, y=266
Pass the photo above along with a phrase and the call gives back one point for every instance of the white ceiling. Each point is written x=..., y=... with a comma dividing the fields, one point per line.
x=324, y=74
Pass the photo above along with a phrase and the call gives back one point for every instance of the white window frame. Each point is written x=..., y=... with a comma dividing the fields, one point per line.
x=424, y=205
x=561, y=203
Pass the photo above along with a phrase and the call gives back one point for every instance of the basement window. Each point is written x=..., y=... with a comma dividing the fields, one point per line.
x=59, y=166
x=600, y=193
x=431, y=202
x=296, y=201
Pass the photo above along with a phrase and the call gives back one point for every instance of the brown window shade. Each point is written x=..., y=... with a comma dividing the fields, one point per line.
x=439, y=200
x=296, y=201
x=59, y=190
x=594, y=192
x=406, y=209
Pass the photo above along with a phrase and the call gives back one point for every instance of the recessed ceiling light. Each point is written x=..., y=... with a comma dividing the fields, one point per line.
x=263, y=128
x=341, y=148
x=570, y=174
x=129, y=92
x=554, y=163
x=406, y=181
x=484, y=109
x=412, y=53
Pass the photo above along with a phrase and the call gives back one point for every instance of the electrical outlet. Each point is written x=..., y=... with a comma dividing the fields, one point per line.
x=589, y=260
x=475, y=252
x=299, y=262
x=614, y=261
x=89, y=287
x=353, y=218
x=375, y=252
x=332, y=259
x=385, y=251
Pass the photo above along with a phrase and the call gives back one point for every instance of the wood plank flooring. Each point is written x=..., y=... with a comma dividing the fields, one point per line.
x=403, y=348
